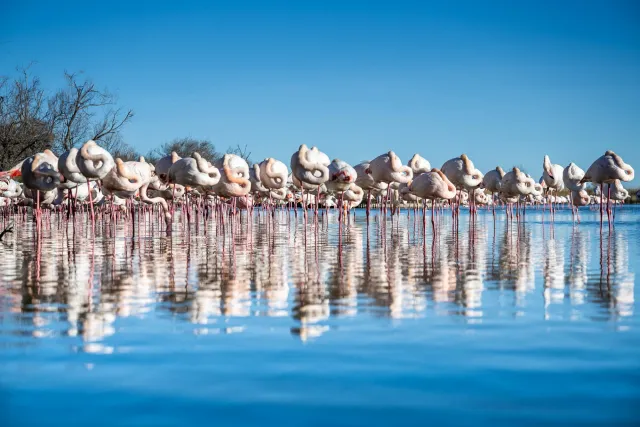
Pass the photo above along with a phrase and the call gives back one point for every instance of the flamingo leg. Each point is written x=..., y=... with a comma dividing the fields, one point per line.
x=609, y=205
x=93, y=218
x=601, y=207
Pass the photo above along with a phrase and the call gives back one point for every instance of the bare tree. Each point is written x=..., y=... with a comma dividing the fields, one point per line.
x=119, y=149
x=25, y=121
x=242, y=152
x=80, y=112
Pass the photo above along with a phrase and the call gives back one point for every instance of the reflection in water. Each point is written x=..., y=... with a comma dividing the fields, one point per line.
x=213, y=275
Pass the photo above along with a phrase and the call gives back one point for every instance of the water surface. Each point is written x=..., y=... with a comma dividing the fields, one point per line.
x=271, y=321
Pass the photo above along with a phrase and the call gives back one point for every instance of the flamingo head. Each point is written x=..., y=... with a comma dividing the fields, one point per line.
x=627, y=173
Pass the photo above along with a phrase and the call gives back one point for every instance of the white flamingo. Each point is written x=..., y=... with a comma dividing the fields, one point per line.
x=491, y=182
x=273, y=173
x=462, y=173
x=433, y=185
x=366, y=181
x=388, y=168
x=129, y=178
x=257, y=187
x=605, y=170
x=69, y=169
x=352, y=196
x=341, y=177
x=552, y=176
x=164, y=164
x=94, y=163
x=310, y=169
x=419, y=165
x=579, y=198
x=572, y=176
x=194, y=172
x=234, y=181
x=516, y=184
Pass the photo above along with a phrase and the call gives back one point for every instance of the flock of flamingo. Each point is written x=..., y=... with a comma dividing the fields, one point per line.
x=91, y=176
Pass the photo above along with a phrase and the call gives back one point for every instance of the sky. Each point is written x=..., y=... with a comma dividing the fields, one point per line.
x=505, y=82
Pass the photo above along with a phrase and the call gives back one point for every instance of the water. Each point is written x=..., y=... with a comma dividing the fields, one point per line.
x=274, y=325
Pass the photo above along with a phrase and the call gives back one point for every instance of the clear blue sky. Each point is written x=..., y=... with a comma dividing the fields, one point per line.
x=503, y=81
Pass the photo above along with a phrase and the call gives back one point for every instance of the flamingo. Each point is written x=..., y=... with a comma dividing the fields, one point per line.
x=257, y=187
x=419, y=165
x=279, y=194
x=605, y=170
x=552, y=174
x=158, y=188
x=353, y=196
x=537, y=190
x=365, y=181
x=94, y=163
x=40, y=174
x=44, y=198
x=491, y=181
x=571, y=177
x=389, y=169
x=341, y=176
x=194, y=172
x=462, y=173
x=579, y=198
x=617, y=193
x=433, y=185
x=73, y=177
x=273, y=173
x=406, y=194
x=129, y=178
x=163, y=165
x=69, y=169
x=10, y=188
x=234, y=181
x=82, y=192
x=480, y=197
x=310, y=169
x=516, y=184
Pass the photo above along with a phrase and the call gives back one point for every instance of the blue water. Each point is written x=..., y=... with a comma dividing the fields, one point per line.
x=271, y=323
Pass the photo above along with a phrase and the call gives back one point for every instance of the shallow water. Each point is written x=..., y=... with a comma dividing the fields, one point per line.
x=278, y=323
